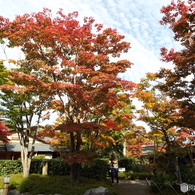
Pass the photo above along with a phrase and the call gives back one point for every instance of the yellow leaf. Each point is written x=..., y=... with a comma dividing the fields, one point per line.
x=12, y=61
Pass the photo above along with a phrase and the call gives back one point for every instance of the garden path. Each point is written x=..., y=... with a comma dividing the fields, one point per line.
x=132, y=187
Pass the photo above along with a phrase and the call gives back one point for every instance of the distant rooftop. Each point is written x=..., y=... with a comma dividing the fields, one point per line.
x=16, y=147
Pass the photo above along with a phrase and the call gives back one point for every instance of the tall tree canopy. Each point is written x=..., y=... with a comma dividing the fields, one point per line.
x=179, y=82
x=74, y=66
x=159, y=111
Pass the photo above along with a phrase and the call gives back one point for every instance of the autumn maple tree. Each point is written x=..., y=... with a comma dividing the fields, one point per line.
x=135, y=138
x=162, y=114
x=4, y=132
x=122, y=116
x=74, y=67
x=159, y=111
x=178, y=82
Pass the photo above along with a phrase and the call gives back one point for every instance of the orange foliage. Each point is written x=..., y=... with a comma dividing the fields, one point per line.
x=4, y=132
x=73, y=72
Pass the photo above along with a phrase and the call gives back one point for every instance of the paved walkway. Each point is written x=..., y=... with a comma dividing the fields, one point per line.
x=131, y=187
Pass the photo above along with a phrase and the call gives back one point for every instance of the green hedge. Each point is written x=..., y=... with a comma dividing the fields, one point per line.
x=10, y=167
x=98, y=170
x=141, y=176
x=131, y=165
x=135, y=175
x=55, y=166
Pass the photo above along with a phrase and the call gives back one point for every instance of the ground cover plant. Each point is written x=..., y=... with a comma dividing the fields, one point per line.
x=39, y=184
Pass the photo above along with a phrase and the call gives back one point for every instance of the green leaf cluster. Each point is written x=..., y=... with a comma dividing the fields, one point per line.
x=10, y=167
x=3, y=74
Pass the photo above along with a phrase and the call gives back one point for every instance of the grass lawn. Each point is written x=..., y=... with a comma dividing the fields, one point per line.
x=39, y=184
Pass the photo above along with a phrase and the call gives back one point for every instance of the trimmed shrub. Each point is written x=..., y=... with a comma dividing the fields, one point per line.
x=127, y=163
x=15, y=180
x=39, y=184
x=123, y=175
x=98, y=170
x=131, y=165
x=36, y=166
x=55, y=166
x=59, y=184
x=140, y=175
x=8, y=167
x=58, y=167
x=134, y=175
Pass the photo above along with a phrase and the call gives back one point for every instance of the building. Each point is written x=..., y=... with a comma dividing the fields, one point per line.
x=147, y=150
x=12, y=149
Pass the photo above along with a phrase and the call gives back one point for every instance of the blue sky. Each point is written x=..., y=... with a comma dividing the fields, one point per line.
x=138, y=20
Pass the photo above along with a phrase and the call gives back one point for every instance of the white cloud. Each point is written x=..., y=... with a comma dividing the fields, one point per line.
x=138, y=20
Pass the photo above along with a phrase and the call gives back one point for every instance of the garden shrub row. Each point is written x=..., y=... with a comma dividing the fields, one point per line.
x=53, y=184
x=135, y=175
x=131, y=165
x=10, y=167
x=98, y=170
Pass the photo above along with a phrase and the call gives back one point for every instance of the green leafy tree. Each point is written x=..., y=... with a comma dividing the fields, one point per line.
x=21, y=108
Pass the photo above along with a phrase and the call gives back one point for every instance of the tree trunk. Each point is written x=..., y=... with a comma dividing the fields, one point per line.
x=167, y=140
x=75, y=173
x=75, y=167
x=177, y=170
x=191, y=158
x=124, y=148
x=26, y=161
x=175, y=159
x=25, y=157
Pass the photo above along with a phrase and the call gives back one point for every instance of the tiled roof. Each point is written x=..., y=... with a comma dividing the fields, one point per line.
x=39, y=147
x=147, y=149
